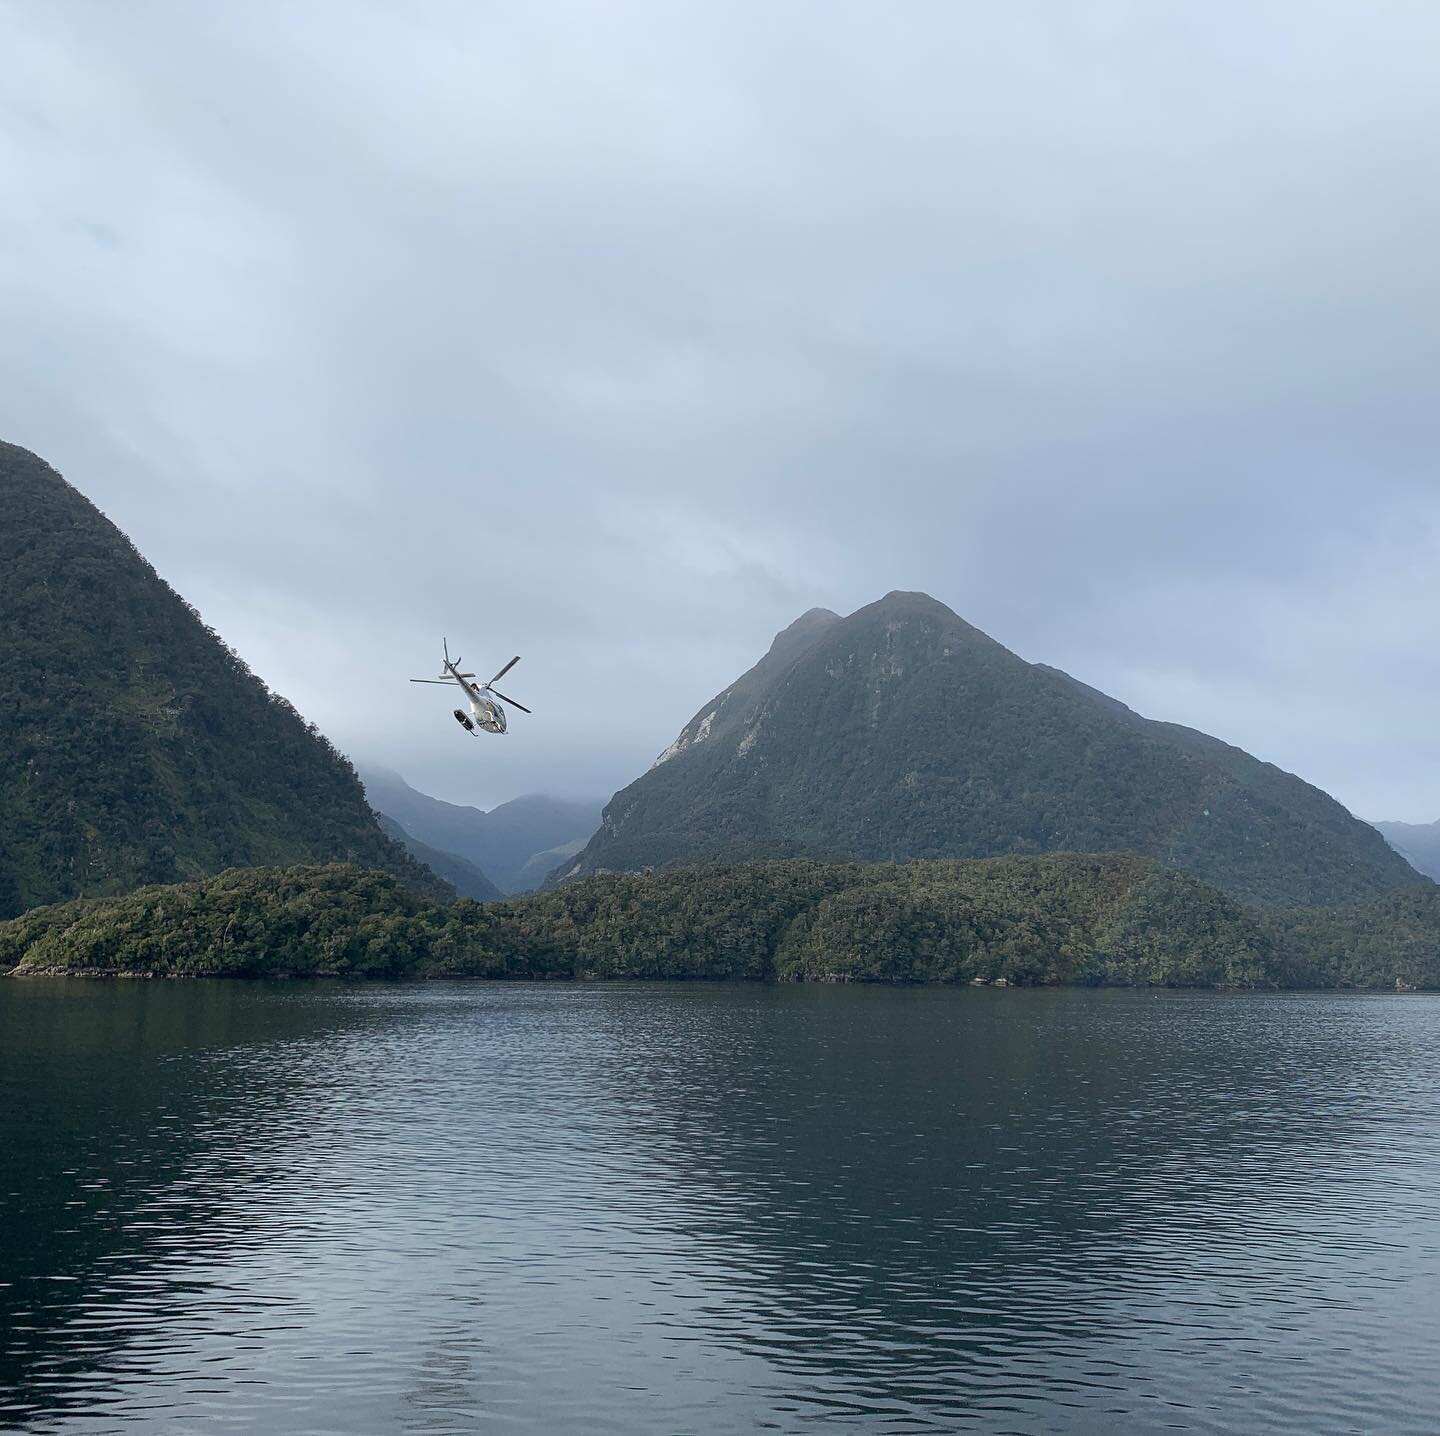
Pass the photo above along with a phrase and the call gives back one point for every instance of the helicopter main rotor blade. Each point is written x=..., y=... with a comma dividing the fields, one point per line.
x=506, y=670
x=510, y=701
x=444, y=681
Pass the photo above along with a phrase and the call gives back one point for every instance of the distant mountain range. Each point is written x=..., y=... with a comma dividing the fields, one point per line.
x=135, y=747
x=514, y=845
x=1418, y=842
x=467, y=880
x=903, y=732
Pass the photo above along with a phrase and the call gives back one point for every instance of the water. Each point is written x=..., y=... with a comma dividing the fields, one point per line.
x=711, y=1209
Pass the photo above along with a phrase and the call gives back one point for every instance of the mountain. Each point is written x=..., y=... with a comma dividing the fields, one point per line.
x=501, y=842
x=534, y=873
x=135, y=747
x=467, y=880
x=903, y=732
x=1419, y=843
x=536, y=823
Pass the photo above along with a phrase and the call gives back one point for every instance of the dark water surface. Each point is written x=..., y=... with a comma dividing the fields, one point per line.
x=691, y=1208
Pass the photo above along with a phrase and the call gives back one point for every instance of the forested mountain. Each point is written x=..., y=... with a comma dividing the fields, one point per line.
x=1065, y=918
x=501, y=842
x=135, y=747
x=903, y=732
x=467, y=880
x=1419, y=843
x=539, y=868
x=522, y=828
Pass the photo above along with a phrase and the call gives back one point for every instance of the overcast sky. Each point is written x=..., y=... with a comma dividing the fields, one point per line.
x=619, y=334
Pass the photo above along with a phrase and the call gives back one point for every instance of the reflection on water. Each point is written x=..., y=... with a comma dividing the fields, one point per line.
x=686, y=1208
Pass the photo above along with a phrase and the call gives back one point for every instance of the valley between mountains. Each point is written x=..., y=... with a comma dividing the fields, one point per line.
x=886, y=796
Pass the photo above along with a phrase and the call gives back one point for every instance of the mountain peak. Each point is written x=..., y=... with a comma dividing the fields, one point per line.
x=901, y=605
x=904, y=732
x=912, y=600
x=800, y=634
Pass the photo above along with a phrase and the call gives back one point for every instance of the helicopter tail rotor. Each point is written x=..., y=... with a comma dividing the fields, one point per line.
x=452, y=663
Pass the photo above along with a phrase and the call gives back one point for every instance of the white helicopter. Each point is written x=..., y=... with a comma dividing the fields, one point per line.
x=485, y=711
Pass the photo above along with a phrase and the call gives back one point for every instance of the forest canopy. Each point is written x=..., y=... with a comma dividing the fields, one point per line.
x=135, y=745
x=1064, y=918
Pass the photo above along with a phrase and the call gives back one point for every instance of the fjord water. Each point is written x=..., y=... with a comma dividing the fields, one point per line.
x=701, y=1208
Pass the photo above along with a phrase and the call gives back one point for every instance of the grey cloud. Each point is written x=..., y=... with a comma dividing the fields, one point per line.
x=620, y=334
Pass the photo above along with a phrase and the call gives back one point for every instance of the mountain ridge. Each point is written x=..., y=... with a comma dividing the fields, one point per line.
x=467, y=880
x=1417, y=843
x=902, y=731
x=135, y=745
x=500, y=842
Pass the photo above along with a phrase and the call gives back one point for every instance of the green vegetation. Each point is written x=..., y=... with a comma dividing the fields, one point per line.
x=335, y=920
x=139, y=756
x=1064, y=918
x=135, y=747
x=902, y=732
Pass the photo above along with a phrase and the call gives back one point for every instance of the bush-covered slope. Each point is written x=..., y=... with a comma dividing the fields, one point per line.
x=1062, y=918
x=135, y=747
x=902, y=732
x=332, y=920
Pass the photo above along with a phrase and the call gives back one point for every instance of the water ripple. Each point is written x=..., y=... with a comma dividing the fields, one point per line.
x=447, y=1208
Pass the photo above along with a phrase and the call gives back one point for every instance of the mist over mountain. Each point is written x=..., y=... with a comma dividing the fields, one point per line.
x=1418, y=843
x=138, y=748
x=503, y=842
x=135, y=747
x=467, y=880
x=904, y=732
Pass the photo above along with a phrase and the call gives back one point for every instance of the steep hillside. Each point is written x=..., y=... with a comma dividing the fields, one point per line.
x=1419, y=843
x=903, y=732
x=534, y=874
x=134, y=746
x=500, y=842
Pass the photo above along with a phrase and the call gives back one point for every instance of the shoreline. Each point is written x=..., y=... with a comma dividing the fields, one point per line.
x=97, y=974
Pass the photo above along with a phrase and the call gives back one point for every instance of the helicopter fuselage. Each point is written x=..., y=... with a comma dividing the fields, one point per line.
x=484, y=700
x=485, y=711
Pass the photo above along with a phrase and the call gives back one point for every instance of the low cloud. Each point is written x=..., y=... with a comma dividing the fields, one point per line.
x=619, y=335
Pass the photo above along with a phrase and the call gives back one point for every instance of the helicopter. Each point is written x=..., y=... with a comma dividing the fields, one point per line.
x=485, y=711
